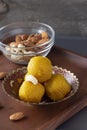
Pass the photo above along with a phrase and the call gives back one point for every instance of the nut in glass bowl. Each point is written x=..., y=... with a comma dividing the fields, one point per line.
x=22, y=40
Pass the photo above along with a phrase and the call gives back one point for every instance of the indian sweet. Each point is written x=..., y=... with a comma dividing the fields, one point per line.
x=57, y=87
x=40, y=80
x=30, y=92
x=40, y=67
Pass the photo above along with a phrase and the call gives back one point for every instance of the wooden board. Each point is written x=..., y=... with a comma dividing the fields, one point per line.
x=51, y=116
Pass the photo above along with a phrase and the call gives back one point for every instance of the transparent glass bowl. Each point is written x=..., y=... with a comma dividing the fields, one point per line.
x=8, y=33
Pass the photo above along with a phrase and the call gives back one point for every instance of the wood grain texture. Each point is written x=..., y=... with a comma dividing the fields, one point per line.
x=51, y=116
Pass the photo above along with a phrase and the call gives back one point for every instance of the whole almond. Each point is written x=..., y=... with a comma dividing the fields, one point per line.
x=16, y=116
x=18, y=38
x=42, y=41
x=24, y=37
x=44, y=35
x=2, y=75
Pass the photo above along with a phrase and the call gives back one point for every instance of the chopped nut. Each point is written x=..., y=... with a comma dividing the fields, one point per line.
x=16, y=116
x=12, y=83
x=32, y=79
x=2, y=75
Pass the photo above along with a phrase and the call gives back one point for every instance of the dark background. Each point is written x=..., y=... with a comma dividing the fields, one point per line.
x=69, y=20
x=67, y=17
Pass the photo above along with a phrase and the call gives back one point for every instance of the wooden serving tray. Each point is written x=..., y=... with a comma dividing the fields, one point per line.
x=51, y=116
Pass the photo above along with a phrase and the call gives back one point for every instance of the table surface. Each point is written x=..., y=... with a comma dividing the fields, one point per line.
x=68, y=18
x=79, y=46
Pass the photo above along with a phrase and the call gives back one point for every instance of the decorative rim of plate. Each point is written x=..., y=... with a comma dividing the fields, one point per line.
x=69, y=76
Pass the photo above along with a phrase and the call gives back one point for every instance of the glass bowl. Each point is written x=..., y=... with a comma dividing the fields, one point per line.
x=13, y=80
x=10, y=31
